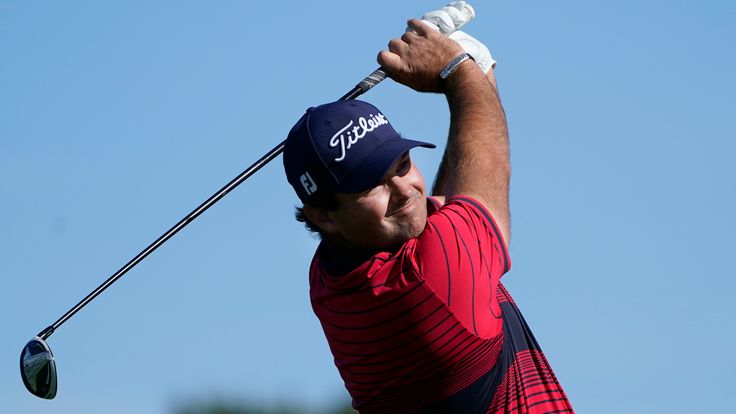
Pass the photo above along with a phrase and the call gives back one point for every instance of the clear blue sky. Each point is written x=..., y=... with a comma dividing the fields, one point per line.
x=118, y=118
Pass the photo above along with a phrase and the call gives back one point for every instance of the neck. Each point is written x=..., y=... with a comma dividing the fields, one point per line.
x=338, y=247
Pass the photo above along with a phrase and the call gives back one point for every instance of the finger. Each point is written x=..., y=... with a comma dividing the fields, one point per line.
x=397, y=46
x=390, y=61
x=409, y=37
x=418, y=27
x=442, y=20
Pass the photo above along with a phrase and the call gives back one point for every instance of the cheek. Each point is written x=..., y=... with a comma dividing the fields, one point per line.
x=417, y=179
x=368, y=214
x=377, y=207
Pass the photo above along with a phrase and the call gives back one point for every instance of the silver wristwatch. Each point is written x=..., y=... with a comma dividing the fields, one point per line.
x=454, y=63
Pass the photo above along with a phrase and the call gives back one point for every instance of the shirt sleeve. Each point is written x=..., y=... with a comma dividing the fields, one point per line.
x=461, y=255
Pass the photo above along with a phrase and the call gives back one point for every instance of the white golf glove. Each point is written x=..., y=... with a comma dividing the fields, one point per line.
x=450, y=18
x=476, y=49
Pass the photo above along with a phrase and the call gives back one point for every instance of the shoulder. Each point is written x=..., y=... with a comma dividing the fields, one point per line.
x=458, y=207
x=463, y=221
x=436, y=200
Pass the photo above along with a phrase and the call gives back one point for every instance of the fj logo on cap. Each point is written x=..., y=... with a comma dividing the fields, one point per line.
x=355, y=133
x=308, y=183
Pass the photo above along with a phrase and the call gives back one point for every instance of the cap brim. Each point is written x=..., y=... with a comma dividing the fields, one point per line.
x=371, y=170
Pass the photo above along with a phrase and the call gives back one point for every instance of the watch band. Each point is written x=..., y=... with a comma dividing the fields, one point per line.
x=454, y=63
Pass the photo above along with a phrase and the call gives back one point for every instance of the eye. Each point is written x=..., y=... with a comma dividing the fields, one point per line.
x=369, y=191
x=404, y=165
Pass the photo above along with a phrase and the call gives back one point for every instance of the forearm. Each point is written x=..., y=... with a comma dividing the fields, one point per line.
x=440, y=181
x=476, y=159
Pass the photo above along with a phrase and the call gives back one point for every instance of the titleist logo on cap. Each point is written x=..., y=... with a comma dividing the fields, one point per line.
x=354, y=134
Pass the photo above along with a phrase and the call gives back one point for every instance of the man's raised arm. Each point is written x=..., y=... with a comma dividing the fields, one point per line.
x=476, y=160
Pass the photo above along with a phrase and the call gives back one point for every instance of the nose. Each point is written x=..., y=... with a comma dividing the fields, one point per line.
x=401, y=189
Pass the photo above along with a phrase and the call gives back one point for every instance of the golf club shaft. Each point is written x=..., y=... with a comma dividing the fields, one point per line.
x=369, y=82
x=364, y=86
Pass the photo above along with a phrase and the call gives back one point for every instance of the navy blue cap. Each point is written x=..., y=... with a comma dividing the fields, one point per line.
x=344, y=146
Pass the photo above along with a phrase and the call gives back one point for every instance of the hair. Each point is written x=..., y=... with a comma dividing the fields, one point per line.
x=327, y=201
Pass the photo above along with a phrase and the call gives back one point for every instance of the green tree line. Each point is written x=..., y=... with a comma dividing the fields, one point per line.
x=220, y=406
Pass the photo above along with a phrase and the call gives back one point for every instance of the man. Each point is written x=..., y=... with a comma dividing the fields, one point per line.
x=407, y=288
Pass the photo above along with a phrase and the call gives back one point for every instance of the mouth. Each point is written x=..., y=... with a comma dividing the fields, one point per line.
x=404, y=207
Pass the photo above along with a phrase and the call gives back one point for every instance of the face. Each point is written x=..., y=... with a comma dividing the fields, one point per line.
x=386, y=215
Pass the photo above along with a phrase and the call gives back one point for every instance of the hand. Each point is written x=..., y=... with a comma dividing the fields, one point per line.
x=417, y=58
x=448, y=20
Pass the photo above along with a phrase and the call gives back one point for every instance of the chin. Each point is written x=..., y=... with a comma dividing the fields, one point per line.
x=413, y=229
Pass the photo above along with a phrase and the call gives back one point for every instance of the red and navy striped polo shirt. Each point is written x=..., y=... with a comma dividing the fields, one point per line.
x=429, y=327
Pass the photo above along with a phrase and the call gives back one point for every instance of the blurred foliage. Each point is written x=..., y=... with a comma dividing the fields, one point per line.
x=233, y=406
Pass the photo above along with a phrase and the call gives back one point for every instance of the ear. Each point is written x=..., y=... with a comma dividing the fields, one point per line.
x=322, y=218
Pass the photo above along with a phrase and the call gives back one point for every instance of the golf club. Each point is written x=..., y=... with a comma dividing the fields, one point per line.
x=37, y=364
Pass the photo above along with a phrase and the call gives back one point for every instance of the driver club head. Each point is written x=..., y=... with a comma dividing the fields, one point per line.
x=38, y=368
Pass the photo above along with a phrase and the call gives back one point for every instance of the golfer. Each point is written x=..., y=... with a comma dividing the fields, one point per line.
x=407, y=287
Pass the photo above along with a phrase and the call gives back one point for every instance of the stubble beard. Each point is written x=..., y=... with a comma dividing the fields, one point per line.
x=410, y=227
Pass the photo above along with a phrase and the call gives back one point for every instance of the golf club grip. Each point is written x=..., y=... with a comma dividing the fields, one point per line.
x=376, y=77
